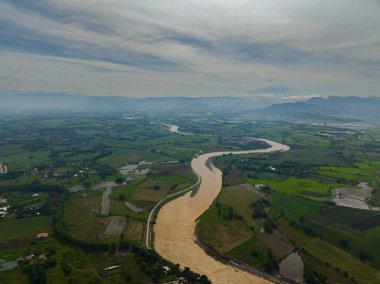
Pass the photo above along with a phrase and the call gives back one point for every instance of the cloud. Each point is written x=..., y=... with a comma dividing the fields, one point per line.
x=202, y=48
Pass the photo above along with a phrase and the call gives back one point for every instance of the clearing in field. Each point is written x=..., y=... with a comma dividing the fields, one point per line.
x=277, y=243
x=115, y=226
x=133, y=231
x=354, y=197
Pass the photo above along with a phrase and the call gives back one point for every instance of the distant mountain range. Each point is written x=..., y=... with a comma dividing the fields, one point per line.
x=315, y=108
x=29, y=103
x=327, y=108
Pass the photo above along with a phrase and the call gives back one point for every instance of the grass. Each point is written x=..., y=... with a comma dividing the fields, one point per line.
x=133, y=231
x=361, y=172
x=296, y=237
x=232, y=178
x=244, y=252
x=86, y=266
x=219, y=234
x=345, y=215
x=276, y=242
x=313, y=264
x=358, y=241
x=81, y=212
x=240, y=198
x=317, y=156
x=146, y=192
x=337, y=258
x=125, y=156
x=13, y=277
x=118, y=208
x=295, y=186
x=226, y=235
x=294, y=207
x=374, y=230
x=25, y=160
x=376, y=196
x=23, y=228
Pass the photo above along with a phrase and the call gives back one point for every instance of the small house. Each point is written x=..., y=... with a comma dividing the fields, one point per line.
x=166, y=269
x=29, y=257
x=42, y=257
x=42, y=235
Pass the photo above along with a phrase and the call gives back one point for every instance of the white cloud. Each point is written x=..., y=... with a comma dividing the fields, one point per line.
x=158, y=48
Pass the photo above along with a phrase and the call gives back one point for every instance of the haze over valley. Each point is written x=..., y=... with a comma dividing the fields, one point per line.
x=189, y=142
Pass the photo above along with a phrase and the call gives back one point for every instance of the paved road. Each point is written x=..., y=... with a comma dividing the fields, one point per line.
x=133, y=207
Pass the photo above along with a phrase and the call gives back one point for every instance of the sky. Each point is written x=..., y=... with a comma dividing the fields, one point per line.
x=273, y=49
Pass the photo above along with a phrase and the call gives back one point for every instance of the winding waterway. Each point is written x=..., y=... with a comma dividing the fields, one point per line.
x=175, y=225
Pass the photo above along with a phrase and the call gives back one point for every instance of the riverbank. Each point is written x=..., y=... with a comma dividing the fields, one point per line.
x=174, y=231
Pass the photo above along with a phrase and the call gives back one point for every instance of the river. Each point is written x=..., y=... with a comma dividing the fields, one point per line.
x=174, y=232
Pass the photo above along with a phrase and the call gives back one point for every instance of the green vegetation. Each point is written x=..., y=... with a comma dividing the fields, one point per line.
x=296, y=186
x=55, y=163
x=294, y=207
x=344, y=262
x=346, y=216
x=23, y=229
x=77, y=153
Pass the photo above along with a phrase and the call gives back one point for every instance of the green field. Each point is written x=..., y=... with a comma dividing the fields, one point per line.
x=23, y=228
x=222, y=233
x=244, y=252
x=345, y=262
x=295, y=207
x=346, y=216
x=361, y=172
x=296, y=186
x=83, y=150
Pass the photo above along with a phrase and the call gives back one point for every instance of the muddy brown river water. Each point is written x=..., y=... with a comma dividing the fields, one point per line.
x=174, y=232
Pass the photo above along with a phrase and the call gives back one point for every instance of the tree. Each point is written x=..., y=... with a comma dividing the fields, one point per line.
x=204, y=280
x=363, y=256
x=87, y=184
x=121, y=197
x=344, y=243
x=255, y=253
x=119, y=180
x=314, y=277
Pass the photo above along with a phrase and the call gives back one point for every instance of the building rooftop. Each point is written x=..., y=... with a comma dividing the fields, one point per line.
x=42, y=235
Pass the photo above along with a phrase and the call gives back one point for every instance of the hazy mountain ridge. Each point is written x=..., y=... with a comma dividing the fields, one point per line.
x=327, y=107
x=314, y=108
x=79, y=103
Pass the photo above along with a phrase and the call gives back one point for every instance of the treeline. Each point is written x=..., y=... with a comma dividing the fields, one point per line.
x=151, y=264
x=227, y=213
x=35, y=186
